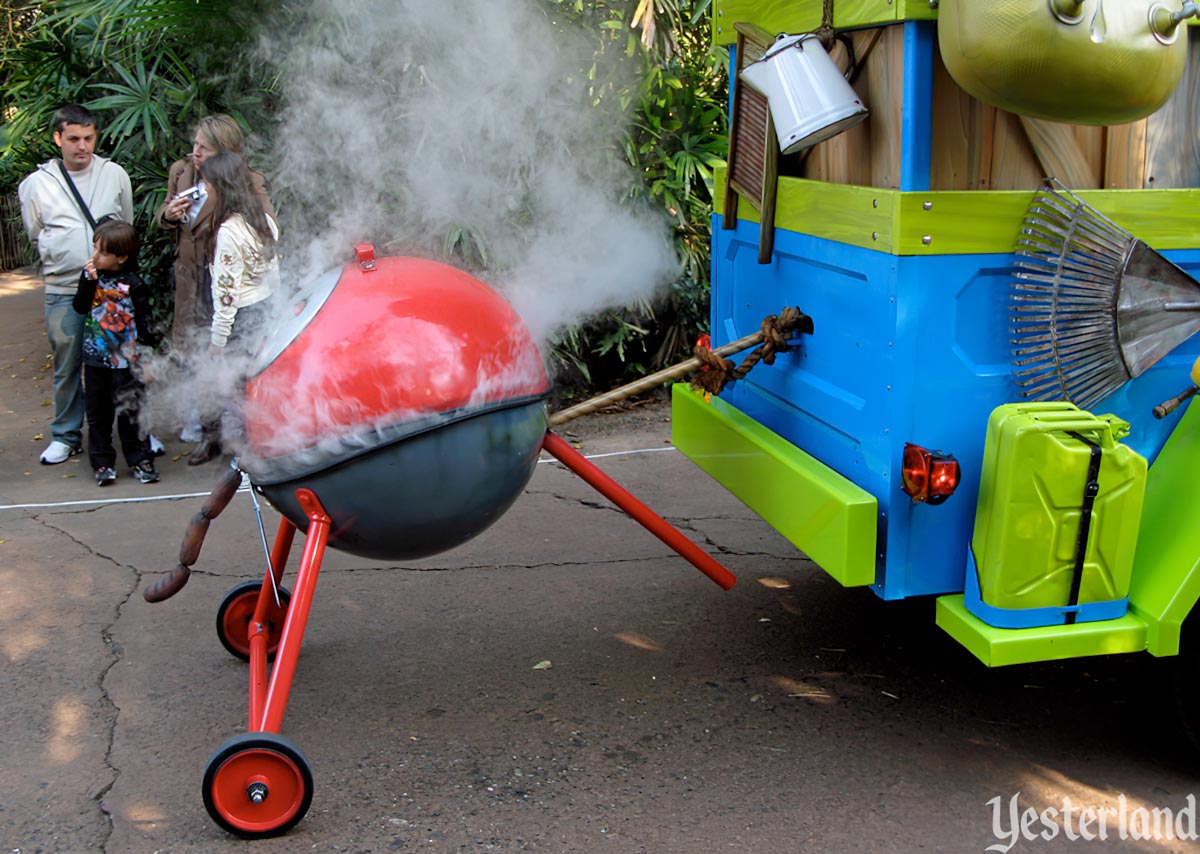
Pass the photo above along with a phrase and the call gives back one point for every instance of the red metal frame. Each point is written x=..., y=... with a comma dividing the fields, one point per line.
x=643, y=515
x=269, y=688
x=268, y=698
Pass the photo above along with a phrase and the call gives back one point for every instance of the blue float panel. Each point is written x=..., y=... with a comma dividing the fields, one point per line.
x=905, y=349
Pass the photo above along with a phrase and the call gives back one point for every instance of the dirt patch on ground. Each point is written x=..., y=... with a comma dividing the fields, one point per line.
x=639, y=420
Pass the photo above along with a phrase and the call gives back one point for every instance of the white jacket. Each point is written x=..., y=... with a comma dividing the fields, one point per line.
x=241, y=276
x=58, y=227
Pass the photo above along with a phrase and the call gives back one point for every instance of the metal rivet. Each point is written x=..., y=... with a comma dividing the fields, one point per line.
x=874, y=235
x=928, y=206
x=933, y=4
x=874, y=203
x=927, y=239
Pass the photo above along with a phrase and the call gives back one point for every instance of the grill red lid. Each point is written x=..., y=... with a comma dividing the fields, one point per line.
x=374, y=350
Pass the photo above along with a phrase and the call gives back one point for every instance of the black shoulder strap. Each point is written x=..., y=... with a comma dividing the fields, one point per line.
x=1090, y=489
x=78, y=198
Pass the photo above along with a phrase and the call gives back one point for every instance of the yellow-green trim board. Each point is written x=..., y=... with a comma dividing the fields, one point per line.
x=802, y=16
x=829, y=518
x=959, y=222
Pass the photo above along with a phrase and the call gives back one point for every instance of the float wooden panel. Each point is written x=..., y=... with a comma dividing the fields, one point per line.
x=868, y=154
x=975, y=146
x=1172, y=142
x=1125, y=156
x=964, y=133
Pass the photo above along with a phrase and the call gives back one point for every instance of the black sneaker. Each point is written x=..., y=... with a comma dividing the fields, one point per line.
x=145, y=473
x=105, y=476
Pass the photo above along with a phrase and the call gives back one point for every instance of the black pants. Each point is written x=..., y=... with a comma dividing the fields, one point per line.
x=113, y=393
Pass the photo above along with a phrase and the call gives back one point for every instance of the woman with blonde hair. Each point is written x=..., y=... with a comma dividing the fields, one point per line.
x=189, y=212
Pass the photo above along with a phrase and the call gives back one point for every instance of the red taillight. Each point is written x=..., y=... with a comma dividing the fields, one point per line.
x=928, y=476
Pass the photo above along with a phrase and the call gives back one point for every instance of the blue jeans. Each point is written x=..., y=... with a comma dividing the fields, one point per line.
x=64, y=328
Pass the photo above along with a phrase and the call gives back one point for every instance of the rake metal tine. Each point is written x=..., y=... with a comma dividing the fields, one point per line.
x=1079, y=234
x=1068, y=255
x=1054, y=343
x=1070, y=263
x=1102, y=388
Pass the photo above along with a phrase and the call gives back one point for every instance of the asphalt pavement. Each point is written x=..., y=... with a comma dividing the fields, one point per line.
x=561, y=683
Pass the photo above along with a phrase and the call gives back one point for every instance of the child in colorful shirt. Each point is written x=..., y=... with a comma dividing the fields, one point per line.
x=113, y=297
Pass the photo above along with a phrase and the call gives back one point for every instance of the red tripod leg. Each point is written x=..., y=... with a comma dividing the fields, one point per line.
x=641, y=514
x=257, y=630
x=286, y=658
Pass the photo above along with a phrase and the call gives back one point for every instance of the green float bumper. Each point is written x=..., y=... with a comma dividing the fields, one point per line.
x=823, y=514
x=833, y=522
x=997, y=647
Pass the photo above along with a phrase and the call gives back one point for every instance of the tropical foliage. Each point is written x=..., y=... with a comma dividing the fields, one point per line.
x=152, y=68
x=149, y=68
x=678, y=134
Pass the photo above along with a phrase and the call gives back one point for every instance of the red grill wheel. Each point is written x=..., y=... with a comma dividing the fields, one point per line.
x=257, y=784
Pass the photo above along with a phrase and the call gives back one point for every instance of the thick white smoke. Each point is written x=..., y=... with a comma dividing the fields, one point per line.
x=406, y=119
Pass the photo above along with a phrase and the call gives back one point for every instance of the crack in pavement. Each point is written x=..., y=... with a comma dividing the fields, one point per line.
x=116, y=655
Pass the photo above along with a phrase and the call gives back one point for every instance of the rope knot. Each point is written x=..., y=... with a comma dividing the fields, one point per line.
x=716, y=372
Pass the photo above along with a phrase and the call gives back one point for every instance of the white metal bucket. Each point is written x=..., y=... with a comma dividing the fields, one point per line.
x=809, y=97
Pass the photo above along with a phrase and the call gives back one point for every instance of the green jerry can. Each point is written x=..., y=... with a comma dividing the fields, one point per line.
x=1052, y=472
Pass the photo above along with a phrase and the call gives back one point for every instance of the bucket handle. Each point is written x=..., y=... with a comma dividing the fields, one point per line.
x=1100, y=430
x=826, y=43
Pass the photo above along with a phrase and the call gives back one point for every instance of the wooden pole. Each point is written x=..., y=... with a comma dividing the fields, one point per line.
x=645, y=383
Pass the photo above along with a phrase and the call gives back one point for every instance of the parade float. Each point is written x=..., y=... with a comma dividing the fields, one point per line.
x=989, y=217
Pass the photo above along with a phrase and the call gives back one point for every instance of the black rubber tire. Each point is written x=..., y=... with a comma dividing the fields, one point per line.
x=233, y=619
x=258, y=758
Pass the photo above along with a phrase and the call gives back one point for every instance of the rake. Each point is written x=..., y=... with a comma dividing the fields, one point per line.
x=1092, y=305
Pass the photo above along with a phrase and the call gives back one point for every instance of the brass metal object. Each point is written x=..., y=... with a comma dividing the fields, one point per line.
x=1096, y=62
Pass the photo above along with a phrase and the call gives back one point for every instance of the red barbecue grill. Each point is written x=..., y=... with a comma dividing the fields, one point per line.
x=391, y=375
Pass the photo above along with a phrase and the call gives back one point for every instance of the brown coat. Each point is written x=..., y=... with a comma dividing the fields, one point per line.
x=193, y=246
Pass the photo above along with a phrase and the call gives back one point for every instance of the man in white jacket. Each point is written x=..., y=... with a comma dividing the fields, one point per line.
x=56, y=220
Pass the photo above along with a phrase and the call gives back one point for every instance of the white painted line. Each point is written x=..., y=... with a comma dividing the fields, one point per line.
x=610, y=454
x=176, y=497
x=112, y=501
